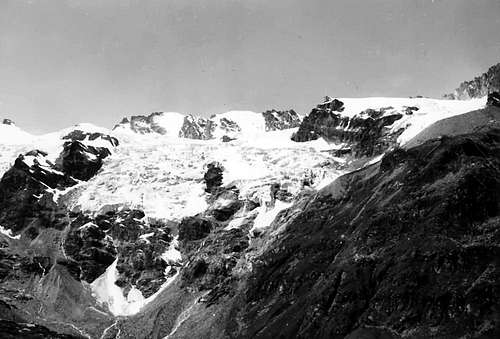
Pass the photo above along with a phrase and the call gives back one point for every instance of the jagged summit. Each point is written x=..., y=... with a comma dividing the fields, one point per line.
x=480, y=86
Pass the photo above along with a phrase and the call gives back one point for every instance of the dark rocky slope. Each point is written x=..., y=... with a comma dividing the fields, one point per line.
x=405, y=248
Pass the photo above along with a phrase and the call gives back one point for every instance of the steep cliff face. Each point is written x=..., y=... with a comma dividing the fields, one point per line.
x=479, y=87
x=365, y=134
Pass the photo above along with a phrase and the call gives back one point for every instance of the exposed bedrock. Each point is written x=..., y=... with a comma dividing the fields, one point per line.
x=82, y=161
x=366, y=134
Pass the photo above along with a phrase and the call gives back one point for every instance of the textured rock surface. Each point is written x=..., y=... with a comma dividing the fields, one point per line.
x=79, y=135
x=493, y=99
x=24, y=200
x=479, y=87
x=197, y=128
x=81, y=161
x=366, y=133
x=143, y=124
x=18, y=330
x=92, y=244
x=279, y=120
x=213, y=177
x=408, y=248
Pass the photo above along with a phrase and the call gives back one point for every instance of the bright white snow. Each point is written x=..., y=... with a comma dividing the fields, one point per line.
x=8, y=233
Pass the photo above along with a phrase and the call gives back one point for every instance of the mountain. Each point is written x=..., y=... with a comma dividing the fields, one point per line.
x=478, y=87
x=367, y=218
x=229, y=125
x=371, y=126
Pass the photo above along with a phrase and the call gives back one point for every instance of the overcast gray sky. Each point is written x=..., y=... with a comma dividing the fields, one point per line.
x=63, y=62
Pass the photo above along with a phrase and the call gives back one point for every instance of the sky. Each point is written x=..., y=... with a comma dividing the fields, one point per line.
x=65, y=62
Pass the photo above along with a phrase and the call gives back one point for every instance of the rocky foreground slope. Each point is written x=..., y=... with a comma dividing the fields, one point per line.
x=147, y=233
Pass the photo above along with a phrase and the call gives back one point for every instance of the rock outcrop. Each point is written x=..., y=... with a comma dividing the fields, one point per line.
x=366, y=134
x=493, y=99
x=143, y=124
x=79, y=135
x=8, y=122
x=280, y=120
x=213, y=177
x=81, y=161
x=197, y=128
x=24, y=199
x=93, y=244
x=478, y=87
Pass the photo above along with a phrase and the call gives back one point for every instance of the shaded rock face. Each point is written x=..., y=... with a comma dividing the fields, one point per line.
x=81, y=161
x=78, y=135
x=493, y=99
x=213, y=267
x=90, y=252
x=194, y=228
x=407, y=248
x=213, y=177
x=24, y=200
x=367, y=133
x=8, y=122
x=279, y=120
x=478, y=87
x=224, y=203
x=331, y=104
x=197, y=128
x=93, y=244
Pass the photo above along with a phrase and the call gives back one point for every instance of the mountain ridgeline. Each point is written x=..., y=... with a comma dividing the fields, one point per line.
x=369, y=218
x=223, y=126
x=480, y=86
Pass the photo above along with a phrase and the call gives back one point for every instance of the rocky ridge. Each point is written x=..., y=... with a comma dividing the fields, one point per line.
x=215, y=127
x=479, y=87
